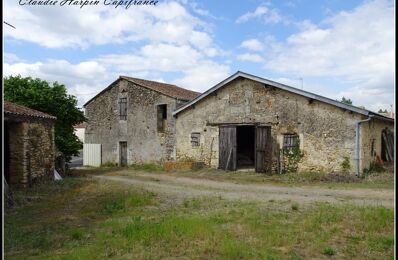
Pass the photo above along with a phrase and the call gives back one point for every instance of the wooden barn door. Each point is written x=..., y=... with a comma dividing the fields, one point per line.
x=387, y=145
x=123, y=153
x=263, y=149
x=227, y=150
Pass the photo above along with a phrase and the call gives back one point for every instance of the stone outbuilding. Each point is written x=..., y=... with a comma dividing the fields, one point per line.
x=29, y=148
x=250, y=122
x=132, y=121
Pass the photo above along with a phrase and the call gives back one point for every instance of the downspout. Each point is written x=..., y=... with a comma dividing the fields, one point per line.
x=357, y=145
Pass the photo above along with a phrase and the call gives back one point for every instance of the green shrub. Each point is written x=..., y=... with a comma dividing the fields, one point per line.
x=295, y=206
x=149, y=167
x=293, y=156
x=374, y=167
x=109, y=164
x=329, y=251
x=345, y=165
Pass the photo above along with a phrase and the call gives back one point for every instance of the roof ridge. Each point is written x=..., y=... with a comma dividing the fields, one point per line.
x=158, y=82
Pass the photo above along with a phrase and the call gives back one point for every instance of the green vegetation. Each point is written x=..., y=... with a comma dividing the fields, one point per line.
x=345, y=165
x=84, y=218
x=375, y=167
x=52, y=99
x=293, y=157
x=346, y=101
x=295, y=206
x=329, y=251
x=147, y=167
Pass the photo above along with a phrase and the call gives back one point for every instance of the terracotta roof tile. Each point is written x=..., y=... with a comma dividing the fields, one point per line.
x=164, y=88
x=80, y=125
x=12, y=108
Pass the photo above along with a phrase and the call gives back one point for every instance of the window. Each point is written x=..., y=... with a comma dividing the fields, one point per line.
x=161, y=117
x=290, y=141
x=123, y=108
x=195, y=139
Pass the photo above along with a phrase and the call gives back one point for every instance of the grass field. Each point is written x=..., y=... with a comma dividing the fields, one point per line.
x=84, y=218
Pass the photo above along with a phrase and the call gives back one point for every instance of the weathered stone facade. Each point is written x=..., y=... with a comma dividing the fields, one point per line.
x=326, y=132
x=145, y=144
x=29, y=148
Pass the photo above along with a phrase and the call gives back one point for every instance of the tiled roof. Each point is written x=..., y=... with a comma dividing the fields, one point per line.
x=81, y=125
x=166, y=89
x=12, y=108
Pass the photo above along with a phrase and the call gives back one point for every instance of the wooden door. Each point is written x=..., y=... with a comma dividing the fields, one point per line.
x=387, y=145
x=227, y=149
x=123, y=153
x=263, y=149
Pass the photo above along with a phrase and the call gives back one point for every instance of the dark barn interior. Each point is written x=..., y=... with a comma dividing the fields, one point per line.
x=245, y=146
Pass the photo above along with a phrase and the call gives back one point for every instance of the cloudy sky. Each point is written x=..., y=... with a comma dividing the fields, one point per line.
x=333, y=48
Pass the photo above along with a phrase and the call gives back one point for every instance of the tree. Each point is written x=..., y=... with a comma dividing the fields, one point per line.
x=51, y=99
x=383, y=111
x=346, y=101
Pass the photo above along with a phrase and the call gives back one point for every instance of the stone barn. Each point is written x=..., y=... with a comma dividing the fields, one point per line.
x=248, y=122
x=29, y=148
x=132, y=121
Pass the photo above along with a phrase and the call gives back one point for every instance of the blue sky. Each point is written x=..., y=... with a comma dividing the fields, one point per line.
x=333, y=48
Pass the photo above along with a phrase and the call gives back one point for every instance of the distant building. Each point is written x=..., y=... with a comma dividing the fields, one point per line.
x=80, y=130
x=29, y=148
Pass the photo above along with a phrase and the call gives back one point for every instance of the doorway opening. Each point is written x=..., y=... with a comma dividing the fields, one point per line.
x=245, y=139
x=122, y=153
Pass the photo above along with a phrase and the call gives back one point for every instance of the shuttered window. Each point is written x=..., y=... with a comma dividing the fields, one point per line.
x=195, y=139
x=123, y=108
x=290, y=141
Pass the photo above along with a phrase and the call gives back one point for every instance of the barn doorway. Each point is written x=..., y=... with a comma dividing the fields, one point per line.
x=245, y=146
x=122, y=153
x=245, y=139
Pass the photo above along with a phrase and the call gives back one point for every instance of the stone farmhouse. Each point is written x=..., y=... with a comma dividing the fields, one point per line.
x=251, y=122
x=29, y=148
x=243, y=122
x=132, y=120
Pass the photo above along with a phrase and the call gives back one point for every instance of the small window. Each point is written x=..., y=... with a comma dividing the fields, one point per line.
x=195, y=139
x=290, y=141
x=123, y=108
x=161, y=117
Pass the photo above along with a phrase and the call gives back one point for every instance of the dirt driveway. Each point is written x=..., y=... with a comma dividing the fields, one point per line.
x=185, y=187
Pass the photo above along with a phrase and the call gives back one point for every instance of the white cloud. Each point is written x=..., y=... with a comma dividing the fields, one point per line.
x=260, y=10
x=266, y=14
x=175, y=45
x=198, y=72
x=356, y=46
x=252, y=44
x=191, y=69
x=250, y=57
x=58, y=27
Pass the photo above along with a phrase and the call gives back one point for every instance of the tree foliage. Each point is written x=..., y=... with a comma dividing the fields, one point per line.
x=51, y=99
x=346, y=101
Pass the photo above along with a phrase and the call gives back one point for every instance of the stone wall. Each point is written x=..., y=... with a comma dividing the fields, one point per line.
x=327, y=133
x=32, y=151
x=371, y=140
x=144, y=143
